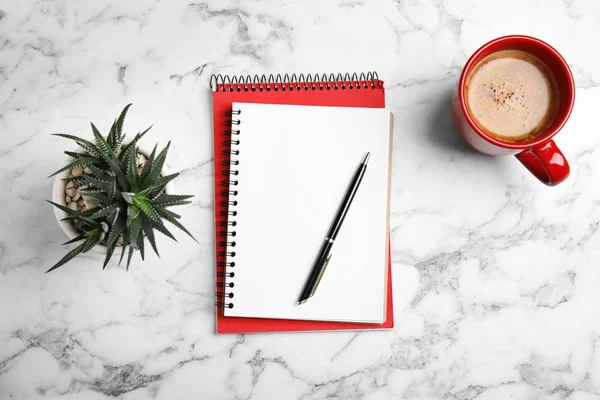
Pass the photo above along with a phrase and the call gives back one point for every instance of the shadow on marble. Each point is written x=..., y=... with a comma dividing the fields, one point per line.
x=442, y=135
x=441, y=131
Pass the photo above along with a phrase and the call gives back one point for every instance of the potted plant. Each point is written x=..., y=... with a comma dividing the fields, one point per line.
x=112, y=195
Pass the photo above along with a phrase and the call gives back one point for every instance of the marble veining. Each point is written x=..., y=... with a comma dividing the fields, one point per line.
x=495, y=276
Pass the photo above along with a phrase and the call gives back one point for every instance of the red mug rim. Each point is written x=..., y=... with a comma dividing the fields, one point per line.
x=476, y=57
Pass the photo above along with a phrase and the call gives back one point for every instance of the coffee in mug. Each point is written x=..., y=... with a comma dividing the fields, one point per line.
x=512, y=95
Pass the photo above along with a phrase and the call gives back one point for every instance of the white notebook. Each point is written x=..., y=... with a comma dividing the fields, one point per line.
x=295, y=165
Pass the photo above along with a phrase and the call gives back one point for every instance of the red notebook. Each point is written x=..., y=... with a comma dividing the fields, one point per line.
x=365, y=91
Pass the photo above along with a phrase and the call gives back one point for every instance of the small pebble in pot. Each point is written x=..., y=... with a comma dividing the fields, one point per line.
x=80, y=203
x=91, y=203
x=72, y=206
x=67, y=199
x=77, y=171
x=76, y=196
x=70, y=189
x=84, y=208
x=87, y=170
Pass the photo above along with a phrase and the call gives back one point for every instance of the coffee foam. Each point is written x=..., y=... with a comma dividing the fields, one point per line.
x=512, y=95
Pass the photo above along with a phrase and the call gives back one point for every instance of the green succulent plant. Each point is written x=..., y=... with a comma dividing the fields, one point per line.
x=131, y=201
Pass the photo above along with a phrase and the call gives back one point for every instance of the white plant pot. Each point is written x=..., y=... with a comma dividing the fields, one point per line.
x=58, y=197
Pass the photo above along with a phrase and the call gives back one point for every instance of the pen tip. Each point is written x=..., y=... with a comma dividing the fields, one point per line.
x=301, y=302
x=366, y=158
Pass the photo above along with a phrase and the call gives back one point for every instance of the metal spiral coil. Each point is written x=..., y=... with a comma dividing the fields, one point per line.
x=227, y=243
x=241, y=83
x=226, y=223
x=226, y=264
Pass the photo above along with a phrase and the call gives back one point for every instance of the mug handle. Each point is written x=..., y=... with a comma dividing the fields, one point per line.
x=546, y=162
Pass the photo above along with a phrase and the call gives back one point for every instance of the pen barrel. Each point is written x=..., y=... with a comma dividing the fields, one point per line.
x=324, y=253
x=316, y=270
x=345, y=206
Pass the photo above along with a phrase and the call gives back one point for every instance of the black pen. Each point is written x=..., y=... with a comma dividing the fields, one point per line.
x=324, y=256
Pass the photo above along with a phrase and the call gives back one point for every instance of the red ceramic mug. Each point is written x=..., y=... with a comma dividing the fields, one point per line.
x=540, y=156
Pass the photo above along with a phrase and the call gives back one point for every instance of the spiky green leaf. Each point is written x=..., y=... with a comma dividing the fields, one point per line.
x=174, y=221
x=144, y=204
x=112, y=191
x=68, y=257
x=115, y=168
x=63, y=208
x=177, y=203
x=75, y=239
x=162, y=229
x=132, y=213
x=147, y=166
x=78, y=218
x=149, y=232
x=134, y=229
x=112, y=138
x=101, y=142
x=87, y=213
x=94, y=232
x=128, y=197
x=91, y=242
x=85, y=144
x=99, y=173
x=106, y=184
x=103, y=152
x=124, y=156
x=140, y=245
x=131, y=249
x=132, y=170
x=110, y=249
x=131, y=146
x=83, y=217
x=80, y=155
x=159, y=186
x=167, y=200
x=111, y=220
x=98, y=195
x=90, y=223
x=157, y=167
x=115, y=231
x=125, y=244
x=105, y=211
x=119, y=135
x=92, y=150
x=171, y=213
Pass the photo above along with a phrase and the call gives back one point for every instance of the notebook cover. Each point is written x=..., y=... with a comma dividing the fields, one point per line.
x=302, y=93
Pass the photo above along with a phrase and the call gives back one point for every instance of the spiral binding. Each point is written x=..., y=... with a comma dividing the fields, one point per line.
x=253, y=83
x=226, y=237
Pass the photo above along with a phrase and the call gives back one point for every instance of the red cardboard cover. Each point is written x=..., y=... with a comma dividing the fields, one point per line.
x=363, y=93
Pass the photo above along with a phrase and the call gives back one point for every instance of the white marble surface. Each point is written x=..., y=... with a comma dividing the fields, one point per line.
x=496, y=277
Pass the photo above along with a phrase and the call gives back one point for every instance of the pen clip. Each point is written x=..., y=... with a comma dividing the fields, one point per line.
x=321, y=275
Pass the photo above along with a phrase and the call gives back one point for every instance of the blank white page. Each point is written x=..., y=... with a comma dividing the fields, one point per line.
x=295, y=165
